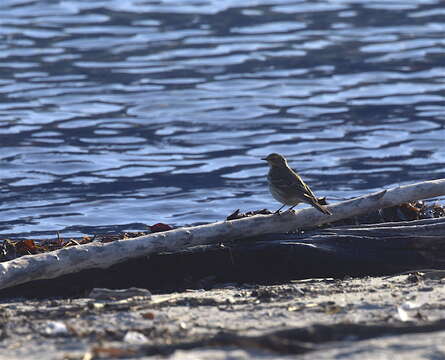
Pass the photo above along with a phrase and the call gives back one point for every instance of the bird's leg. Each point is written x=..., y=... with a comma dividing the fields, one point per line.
x=278, y=211
x=291, y=207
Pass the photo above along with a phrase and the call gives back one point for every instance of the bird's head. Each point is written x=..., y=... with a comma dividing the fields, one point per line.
x=275, y=159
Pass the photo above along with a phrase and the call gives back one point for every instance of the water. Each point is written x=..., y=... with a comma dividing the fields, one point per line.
x=117, y=114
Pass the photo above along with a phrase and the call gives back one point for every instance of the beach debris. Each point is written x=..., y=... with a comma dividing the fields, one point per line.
x=108, y=352
x=159, y=227
x=408, y=311
x=56, y=328
x=135, y=337
x=148, y=315
x=239, y=215
x=118, y=294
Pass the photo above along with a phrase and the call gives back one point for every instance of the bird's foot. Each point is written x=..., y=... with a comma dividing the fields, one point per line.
x=290, y=210
x=278, y=212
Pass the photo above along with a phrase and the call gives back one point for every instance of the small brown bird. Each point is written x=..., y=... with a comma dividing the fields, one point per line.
x=287, y=187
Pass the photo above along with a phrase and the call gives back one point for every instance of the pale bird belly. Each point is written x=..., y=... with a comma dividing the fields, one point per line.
x=282, y=198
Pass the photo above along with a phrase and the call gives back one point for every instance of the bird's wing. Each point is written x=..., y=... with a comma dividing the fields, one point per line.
x=289, y=182
x=302, y=186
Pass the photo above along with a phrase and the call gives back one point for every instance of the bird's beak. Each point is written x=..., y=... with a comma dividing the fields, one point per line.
x=264, y=159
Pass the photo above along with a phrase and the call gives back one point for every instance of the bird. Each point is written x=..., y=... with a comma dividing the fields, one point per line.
x=288, y=188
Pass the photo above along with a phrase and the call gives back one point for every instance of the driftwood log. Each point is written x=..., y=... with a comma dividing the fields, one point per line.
x=100, y=255
x=363, y=250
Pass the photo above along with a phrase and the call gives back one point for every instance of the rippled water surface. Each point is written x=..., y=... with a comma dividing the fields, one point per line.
x=119, y=113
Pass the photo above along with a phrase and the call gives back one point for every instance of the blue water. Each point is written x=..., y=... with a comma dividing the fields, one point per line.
x=117, y=114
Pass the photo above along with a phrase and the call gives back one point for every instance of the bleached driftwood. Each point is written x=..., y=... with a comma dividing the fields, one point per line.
x=102, y=255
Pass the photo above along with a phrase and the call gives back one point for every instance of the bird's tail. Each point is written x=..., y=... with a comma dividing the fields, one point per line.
x=317, y=204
